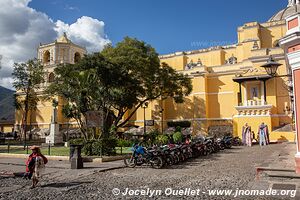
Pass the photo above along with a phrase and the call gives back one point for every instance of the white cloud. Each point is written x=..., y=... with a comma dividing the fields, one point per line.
x=23, y=28
x=86, y=31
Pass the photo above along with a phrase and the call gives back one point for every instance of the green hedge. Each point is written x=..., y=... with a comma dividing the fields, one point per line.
x=124, y=143
x=97, y=147
x=182, y=124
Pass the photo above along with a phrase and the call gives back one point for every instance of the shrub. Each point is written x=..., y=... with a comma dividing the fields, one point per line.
x=124, y=143
x=88, y=147
x=109, y=146
x=178, y=129
x=151, y=137
x=182, y=124
x=177, y=137
x=77, y=141
x=162, y=139
x=104, y=146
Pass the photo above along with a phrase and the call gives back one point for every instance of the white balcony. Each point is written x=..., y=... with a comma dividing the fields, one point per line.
x=254, y=107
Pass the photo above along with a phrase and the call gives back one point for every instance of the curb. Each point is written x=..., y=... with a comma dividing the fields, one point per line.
x=284, y=176
x=65, y=158
x=10, y=155
x=101, y=170
x=112, y=168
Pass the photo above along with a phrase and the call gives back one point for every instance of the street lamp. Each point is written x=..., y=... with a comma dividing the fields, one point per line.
x=271, y=66
x=162, y=120
x=145, y=105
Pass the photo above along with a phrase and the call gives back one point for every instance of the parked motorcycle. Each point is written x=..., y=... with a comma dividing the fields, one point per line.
x=141, y=155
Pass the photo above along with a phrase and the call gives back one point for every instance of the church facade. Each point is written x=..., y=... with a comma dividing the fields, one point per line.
x=230, y=88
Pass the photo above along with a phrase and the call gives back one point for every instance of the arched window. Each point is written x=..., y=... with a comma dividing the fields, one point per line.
x=46, y=57
x=77, y=57
x=51, y=77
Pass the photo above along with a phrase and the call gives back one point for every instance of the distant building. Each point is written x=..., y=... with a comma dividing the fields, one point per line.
x=6, y=126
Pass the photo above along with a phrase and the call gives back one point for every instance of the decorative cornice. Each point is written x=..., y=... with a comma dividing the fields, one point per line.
x=256, y=59
x=197, y=51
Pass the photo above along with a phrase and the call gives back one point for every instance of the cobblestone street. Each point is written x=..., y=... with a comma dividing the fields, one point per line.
x=230, y=169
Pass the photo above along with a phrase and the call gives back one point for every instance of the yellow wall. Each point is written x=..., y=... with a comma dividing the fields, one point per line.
x=215, y=94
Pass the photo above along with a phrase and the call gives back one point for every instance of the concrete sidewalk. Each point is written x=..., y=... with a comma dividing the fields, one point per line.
x=278, y=171
x=60, y=170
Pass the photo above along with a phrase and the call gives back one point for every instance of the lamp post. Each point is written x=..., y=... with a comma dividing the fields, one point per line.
x=145, y=105
x=162, y=120
x=271, y=68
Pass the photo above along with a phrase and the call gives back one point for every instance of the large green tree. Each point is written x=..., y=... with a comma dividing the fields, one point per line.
x=27, y=77
x=118, y=80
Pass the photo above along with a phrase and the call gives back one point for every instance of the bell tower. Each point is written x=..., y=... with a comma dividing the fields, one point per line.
x=61, y=51
x=51, y=56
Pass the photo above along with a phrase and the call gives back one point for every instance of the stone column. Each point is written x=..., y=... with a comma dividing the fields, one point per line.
x=296, y=82
x=262, y=93
x=54, y=136
x=291, y=45
x=245, y=94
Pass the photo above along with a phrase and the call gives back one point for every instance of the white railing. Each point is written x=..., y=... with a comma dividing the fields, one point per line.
x=253, y=103
x=254, y=107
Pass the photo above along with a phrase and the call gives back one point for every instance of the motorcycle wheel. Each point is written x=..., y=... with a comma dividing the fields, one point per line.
x=229, y=146
x=204, y=153
x=157, y=162
x=176, y=159
x=222, y=147
x=130, y=162
x=170, y=160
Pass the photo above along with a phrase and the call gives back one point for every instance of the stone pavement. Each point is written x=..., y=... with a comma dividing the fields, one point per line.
x=278, y=171
x=60, y=170
x=230, y=169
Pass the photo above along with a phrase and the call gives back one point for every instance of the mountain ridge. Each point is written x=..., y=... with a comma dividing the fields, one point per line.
x=7, y=108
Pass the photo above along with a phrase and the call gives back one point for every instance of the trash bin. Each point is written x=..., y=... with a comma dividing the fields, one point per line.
x=75, y=156
x=72, y=149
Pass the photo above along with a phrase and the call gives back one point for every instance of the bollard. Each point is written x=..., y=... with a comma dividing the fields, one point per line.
x=27, y=149
x=8, y=146
x=76, y=159
x=72, y=150
x=49, y=149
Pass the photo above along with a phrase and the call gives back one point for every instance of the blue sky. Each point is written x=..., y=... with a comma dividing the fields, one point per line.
x=167, y=25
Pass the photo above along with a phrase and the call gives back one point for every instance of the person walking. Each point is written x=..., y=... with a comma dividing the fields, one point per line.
x=263, y=134
x=245, y=131
x=35, y=165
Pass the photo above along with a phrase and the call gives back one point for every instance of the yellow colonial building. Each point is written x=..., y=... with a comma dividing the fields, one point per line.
x=230, y=88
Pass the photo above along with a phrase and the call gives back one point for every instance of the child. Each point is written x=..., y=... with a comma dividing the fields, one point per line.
x=35, y=164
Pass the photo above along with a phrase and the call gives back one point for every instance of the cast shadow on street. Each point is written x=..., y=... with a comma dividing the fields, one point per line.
x=61, y=185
